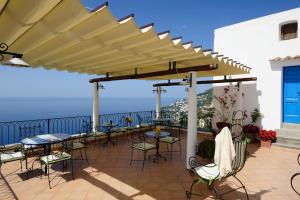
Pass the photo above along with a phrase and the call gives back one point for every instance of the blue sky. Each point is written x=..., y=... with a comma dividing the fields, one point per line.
x=193, y=19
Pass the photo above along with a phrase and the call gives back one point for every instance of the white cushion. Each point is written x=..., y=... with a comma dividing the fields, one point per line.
x=5, y=157
x=143, y=146
x=208, y=172
x=52, y=158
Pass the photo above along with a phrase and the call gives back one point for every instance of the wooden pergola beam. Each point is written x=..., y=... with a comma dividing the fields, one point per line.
x=207, y=82
x=170, y=71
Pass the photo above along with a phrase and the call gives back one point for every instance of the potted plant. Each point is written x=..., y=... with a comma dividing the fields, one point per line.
x=266, y=137
x=251, y=130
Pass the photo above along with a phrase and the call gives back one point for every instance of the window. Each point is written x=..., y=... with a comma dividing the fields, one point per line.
x=289, y=31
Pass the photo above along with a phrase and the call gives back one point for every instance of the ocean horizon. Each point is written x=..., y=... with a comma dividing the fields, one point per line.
x=31, y=108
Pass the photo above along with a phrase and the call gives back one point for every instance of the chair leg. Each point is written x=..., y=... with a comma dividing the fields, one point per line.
x=41, y=171
x=81, y=154
x=72, y=168
x=171, y=150
x=48, y=174
x=243, y=186
x=131, y=156
x=189, y=193
x=86, y=158
x=215, y=191
x=144, y=160
x=21, y=165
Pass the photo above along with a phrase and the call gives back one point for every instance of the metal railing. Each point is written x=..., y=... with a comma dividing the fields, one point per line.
x=10, y=132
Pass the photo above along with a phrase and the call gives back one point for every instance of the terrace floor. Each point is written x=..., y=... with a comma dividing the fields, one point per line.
x=108, y=176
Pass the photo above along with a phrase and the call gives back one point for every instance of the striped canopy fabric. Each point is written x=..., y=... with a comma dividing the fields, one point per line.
x=64, y=35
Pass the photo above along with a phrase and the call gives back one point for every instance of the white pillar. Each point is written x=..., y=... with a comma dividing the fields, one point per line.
x=158, y=97
x=192, y=119
x=95, y=106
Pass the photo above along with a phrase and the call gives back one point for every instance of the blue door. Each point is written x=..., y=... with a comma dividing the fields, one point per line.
x=291, y=94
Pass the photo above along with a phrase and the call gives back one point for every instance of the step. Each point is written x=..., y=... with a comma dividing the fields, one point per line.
x=288, y=140
x=291, y=126
x=291, y=146
x=288, y=132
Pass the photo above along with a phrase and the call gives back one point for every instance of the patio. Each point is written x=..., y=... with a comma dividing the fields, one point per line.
x=108, y=176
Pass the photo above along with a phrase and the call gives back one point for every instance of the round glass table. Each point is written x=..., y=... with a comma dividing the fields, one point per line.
x=157, y=137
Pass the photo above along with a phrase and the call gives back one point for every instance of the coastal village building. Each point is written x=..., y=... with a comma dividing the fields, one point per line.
x=271, y=46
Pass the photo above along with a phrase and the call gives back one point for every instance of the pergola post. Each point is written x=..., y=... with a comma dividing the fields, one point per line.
x=95, y=106
x=192, y=118
x=239, y=105
x=158, y=101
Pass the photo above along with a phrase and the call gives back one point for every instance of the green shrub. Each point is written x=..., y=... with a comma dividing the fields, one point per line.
x=206, y=149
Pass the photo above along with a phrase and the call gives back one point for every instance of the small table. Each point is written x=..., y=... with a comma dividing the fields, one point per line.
x=157, y=137
x=109, y=127
x=46, y=140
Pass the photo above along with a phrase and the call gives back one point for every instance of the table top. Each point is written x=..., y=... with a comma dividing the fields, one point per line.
x=161, y=135
x=45, y=139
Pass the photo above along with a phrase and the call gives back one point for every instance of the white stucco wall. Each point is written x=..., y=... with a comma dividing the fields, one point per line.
x=254, y=43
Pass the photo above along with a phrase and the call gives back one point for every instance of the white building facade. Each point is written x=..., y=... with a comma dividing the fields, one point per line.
x=270, y=45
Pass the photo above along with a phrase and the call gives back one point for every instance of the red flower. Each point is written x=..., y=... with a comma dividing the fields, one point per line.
x=267, y=135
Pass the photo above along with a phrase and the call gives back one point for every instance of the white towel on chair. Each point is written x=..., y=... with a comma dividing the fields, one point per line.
x=224, y=152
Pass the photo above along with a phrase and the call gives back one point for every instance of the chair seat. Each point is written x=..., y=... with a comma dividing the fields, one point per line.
x=169, y=139
x=77, y=145
x=144, y=125
x=122, y=129
x=7, y=157
x=208, y=172
x=8, y=147
x=54, y=158
x=98, y=134
x=144, y=146
x=77, y=136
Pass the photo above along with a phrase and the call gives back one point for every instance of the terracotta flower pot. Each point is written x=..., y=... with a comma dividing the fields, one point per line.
x=265, y=144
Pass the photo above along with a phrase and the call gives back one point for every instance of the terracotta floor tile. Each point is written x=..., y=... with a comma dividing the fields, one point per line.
x=108, y=175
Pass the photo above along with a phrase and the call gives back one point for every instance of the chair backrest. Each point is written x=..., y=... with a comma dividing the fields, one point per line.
x=30, y=131
x=236, y=130
x=175, y=131
x=87, y=126
x=136, y=137
x=240, y=146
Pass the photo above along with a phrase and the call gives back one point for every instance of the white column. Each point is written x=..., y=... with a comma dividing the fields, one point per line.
x=192, y=119
x=158, y=97
x=95, y=106
x=239, y=105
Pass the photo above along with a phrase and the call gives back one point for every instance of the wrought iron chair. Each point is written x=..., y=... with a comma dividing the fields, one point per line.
x=37, y=150
x=122, y=129
x=209, y=174
x=296, y=174
x=78, y=142
x=144, y=123
x=173, y=138
x=139, y=143
x=97, y=134
x=12, y=152
x=30, y=131
x=55, y=158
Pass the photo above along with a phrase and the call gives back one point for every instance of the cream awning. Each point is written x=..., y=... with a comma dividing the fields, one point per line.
x=63, y=35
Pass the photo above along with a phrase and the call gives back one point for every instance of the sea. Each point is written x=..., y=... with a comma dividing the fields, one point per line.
x=29, y=108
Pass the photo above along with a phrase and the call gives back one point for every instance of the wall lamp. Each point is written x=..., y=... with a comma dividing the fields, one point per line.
x=15, y=61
